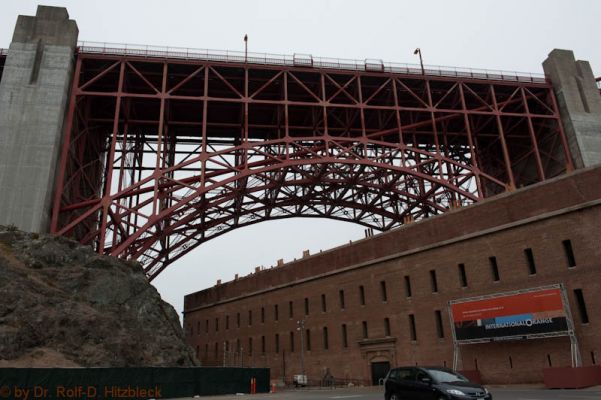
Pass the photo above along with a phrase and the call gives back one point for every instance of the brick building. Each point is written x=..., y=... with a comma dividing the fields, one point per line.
x=384, y=299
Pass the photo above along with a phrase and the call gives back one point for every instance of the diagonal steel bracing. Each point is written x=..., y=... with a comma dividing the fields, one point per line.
x=161, y=155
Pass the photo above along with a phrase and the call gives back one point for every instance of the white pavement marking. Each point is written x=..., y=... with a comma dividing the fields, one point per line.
x=346, y=397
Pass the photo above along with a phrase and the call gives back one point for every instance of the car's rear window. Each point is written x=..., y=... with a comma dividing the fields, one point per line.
x=404, y=373
x=443, y=376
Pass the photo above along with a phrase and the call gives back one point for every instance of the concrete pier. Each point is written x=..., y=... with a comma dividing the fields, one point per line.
x=34, y=92
x=579, y=104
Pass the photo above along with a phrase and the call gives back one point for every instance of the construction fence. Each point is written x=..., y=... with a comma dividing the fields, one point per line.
x=133, y=383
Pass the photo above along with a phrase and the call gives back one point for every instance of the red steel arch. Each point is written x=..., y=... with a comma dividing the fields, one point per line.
x=163, y=153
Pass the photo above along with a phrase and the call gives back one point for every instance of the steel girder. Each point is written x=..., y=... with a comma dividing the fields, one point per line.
x=161, y=155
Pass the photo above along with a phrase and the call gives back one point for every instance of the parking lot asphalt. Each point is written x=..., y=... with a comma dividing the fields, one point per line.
x=376, y=393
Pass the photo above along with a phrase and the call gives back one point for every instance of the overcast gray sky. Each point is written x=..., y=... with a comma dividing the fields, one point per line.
x=507, y=34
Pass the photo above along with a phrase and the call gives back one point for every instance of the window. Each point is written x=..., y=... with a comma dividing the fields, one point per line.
x=344, y=336
x=250, y=317
x=216, y=350
x=197, y=351
x=238, y=345
x=198, y=328
x=549, y=360
x=292, y=342
x=308, y=339
x=510, y=362
x=567, y=247
x=407, y=286
x=263, y=344
x=494, y=268
x=433, y=281
x=262, y=314
x=404, y=374
x=365, y=333
x=341, y=298
x=324, y=307
x=386, y=327
x=362, y=295
x=290, y=309
x=439, y=325
x=206, y=326
x=206, y=351
x=277, y=342
x=383, y=291
x=593, y=359
x=227, y=322
x=412, y=329
x=238, y=320
x=462, y=275
x=306, y=306
x=217, y=324
x=250, y=346
x=276, y=314
x=530, y=259
x=325, y=338
x=581, y=305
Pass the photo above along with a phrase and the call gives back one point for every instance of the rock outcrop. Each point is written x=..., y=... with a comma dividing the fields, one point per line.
x=62, y=305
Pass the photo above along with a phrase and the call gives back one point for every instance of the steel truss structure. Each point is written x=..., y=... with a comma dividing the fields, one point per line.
x=162, y=154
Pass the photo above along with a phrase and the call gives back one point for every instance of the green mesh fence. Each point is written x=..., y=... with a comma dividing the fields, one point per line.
x=127, y=383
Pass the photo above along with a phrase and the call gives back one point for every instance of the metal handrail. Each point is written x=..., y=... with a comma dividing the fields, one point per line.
x=289, y=60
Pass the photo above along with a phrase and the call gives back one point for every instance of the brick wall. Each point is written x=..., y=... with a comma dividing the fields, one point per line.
x=540, y=217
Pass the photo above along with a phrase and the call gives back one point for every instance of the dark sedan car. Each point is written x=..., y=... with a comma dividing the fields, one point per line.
x=431, y=383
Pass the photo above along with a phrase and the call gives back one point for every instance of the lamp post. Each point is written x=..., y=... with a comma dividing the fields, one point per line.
x=245, y=48
x=301, y=328
x=421, y=62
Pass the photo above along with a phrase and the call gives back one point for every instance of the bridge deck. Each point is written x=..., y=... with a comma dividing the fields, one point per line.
x=304, y=60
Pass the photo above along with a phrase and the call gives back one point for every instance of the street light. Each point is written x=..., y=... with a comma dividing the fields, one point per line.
x=421, y=62
x=245, y=48
x=301, y=328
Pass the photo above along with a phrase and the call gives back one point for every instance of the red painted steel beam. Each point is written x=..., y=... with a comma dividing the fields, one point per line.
x=162, y=155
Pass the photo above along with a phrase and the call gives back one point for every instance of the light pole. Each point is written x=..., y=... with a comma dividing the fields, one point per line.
x=245, y=48
x=301, y=328
x=421, y=62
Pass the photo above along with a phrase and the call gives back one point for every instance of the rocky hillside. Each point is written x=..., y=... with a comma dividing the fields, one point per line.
x=62, y=305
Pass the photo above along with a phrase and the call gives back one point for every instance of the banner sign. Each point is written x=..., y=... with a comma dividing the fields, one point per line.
x=510, y=316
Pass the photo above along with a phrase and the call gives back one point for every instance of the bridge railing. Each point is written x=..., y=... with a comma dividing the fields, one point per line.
x=304, y=60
